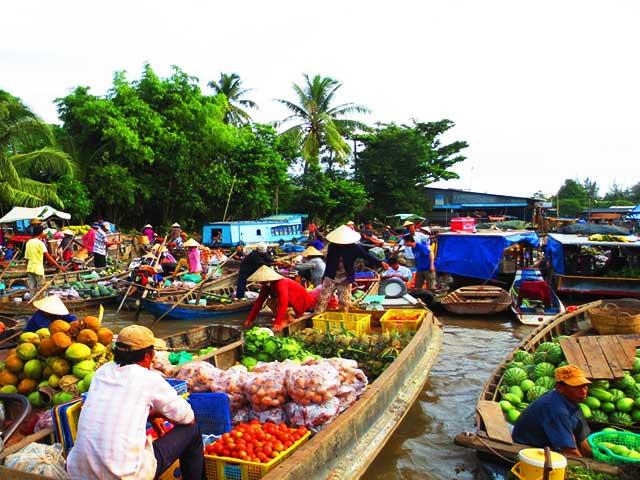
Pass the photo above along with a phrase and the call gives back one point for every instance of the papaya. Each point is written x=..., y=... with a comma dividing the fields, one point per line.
x=87, y=337
x=59, y=326
x=92, y=323
x=105, y=336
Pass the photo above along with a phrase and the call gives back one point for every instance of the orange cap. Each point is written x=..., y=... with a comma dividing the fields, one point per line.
x=138, y=337
x=571, y=375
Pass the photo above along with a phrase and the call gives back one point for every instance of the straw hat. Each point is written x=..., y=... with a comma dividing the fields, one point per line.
x=343, y=235
x=51, y=304
x=138, y=337
x=191, y=243
x=66, y=231
x=311, y=252
x=407, y=223
x=148, y=225
x=265, y=274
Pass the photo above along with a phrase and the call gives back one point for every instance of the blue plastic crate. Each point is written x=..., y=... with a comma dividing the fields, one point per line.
x=180, y=386
x=212, y=411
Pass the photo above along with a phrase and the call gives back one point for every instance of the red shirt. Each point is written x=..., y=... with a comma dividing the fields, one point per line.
x=289, y=294
x=88, y=240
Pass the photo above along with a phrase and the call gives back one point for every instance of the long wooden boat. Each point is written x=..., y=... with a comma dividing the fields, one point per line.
x=204, y=336
x=85, y=276
x=492, y=435
x=477, y=300
x=603, y=287
x=534, y=311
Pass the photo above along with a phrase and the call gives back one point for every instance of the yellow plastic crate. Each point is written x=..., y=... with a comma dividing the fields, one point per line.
x=358, y=323
x=404, y=319
x=73, y=417
x=225, y=468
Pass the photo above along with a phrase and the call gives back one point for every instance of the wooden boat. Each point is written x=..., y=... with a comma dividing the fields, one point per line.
x=477, y=300
x=492, y=434
x=61, y=278
x=533, y=311
x=204, y=336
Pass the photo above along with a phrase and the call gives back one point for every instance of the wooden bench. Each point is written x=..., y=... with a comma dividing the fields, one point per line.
x=601, y=356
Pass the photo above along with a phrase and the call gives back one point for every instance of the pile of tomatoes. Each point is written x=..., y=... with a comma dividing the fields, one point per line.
x=256, y=442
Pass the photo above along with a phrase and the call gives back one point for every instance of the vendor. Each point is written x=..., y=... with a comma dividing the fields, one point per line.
x=35, y=251
x=250, y=264
x=89, y=238
x=175, y=236
x=112, y=442
x=369, y=236
x=66, y=245
x=313, y=266
x=340, y=271
x=554, y=420
x=397, y=271
x=419, y=238
x=193, y=255
x=100, y=245
x=48, y=309
x=283, y=293
x=425, y=267
x=148, y=232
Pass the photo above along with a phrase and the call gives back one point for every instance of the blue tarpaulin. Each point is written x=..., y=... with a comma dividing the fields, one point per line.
x=554, y=252
x=477, y=256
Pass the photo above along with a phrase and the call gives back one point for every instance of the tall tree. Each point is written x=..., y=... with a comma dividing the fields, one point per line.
x=398, y=161
x=320, y=126
x=230, y=86
x=572, y=198
x=28, y=157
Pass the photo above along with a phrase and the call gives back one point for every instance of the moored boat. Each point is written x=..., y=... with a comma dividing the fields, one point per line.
x=533, y=299
x=477, y=300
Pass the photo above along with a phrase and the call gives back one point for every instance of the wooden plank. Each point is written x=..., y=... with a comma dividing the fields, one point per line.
x=629, y=348
x=613, y=353
x=618, y=348
x=574, y=355
x=494, y=421
x=596, y=359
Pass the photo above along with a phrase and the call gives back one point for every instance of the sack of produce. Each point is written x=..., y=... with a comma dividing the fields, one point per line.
x=313, y=416
x=162, y=364
x=346, y=395
x=312, y=383
x=231, y=382
x=39, y=459
x=349, y=373
x=198, y=375
x=265, y=389
x=240, y=415
x=274, y=415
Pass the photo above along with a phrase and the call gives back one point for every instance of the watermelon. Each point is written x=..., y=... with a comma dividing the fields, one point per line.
x=624, y=405
x=505, y=405
x=608, y=407
x=517, y=391
x=523, y=357
x=636, y=365
x=600, y=384
x=616, y=394
x=625, y=382
x=535, y=392
x=512, y=399
x=512, y=416
x=586, y=411
x=593, y=403
x=555, y=355
x=530, y=369
x=620, y=418
x=515, y=365
x=635, y=414
x=599, y=416
x=514, y=376
x=539, y=357
x=546, y=382
x=546, y=346
x=544, y=369
x=526, y=385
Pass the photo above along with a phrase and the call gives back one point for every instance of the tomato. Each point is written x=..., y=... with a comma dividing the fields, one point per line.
x=274, y=454
x=267, y=449
x=226, y=452
x=301, y=431
x=288, y=443
x=236, y=434
x=296, y=437
x=278, y=447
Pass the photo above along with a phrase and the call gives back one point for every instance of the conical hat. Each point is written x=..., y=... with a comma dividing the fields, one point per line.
x=66, y=231
x=407, y=223
x=176, y=225
x=51, y=304
x=191, y=243
x=148, y=225
x=312, y=252
x=343, y=235
x=265, y=274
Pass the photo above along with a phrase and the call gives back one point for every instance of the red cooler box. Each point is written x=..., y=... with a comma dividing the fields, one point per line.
x=463, y=224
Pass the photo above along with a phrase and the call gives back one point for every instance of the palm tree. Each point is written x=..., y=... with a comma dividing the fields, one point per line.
x=230, y=86
x=318, y=124
x=27, y=150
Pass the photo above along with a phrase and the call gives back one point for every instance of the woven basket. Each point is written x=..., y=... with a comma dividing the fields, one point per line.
x=616, y=317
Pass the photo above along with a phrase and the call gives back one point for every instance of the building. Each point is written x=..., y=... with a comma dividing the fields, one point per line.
x=274, y=229
x=603, y=215
x=448, y=202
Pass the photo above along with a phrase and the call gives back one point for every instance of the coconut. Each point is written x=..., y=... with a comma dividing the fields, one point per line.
x=62, y=340
x=27, y=351
x=43, y=333
x=36, y=399
x=33, y=369
x=88, y=337
x=92, y=323
x=48, y=348
x=29, y=337
x=27, y=385
x=46, y=373
x=77, y=352
x=62, y=397
x=87, y=379
x=8, y=378
x=60, y=367
x=9, y=389
x=74, y=328
x=81, y=369
x=54, y=381
x=14, y=364
x=59, y=326
x=105, y=336
x=68, y=383
x=97, y=350
x=82, y=387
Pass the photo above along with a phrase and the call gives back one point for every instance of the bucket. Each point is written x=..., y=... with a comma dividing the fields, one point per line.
x=531, y=462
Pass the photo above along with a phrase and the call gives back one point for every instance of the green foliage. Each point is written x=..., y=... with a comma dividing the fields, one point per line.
x=75, y=197
x=398, y=161
x=230, y=86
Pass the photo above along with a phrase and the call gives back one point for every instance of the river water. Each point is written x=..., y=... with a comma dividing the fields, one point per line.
x=422, y=446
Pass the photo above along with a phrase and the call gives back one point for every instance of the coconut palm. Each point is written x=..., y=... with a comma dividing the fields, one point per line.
x=319, y=125
x=26, y=151
x=230, y=86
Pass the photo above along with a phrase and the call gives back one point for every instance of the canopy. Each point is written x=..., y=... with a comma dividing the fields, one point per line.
x=635, y=213
x=592, y=228
x=24, y=213
x=477, y=255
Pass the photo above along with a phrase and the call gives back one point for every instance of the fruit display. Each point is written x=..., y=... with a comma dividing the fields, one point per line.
x=256, y=442
x=616, y=447
x=54, y=365
x=261, y=345
x=79, y=229
x=77, y=290
x=374, y=353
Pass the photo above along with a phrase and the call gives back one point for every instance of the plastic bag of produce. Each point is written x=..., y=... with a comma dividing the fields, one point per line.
x=198, y=375
x=265, y=389
x=240, y=415
x=45, y=460
x=178, y=358
x=230, y=382
x=162, y=364
x=312, y=416
x=312, y=383
x=275, y=415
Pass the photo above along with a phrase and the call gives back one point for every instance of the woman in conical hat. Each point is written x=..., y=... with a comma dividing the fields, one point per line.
x=49, y=308
x=282, y=294
x=340, y=270
x=313, y=267
x=193, y=256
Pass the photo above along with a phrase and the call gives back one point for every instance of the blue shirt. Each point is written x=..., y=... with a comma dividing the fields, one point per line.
x=550, y=421
x=422, y=254
x=40, y=320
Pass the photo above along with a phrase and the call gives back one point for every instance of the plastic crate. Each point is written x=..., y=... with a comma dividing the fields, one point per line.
x=410, y=319
x=358, y=323
x=180, y=386
x=225, y=468
x=212, y=412
x=628, y=439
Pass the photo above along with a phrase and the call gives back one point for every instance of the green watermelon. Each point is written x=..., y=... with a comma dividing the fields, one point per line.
x=546, y=382
x=546, y=346
x=636, y=366
x=617, y=394
x=620, y=418
x=555, y=355
x=608, y=407
x=526, y=385
x=539, y=357
x=593, y=403
x=544, y=369
x=512, y=399
x=515, y=365
x=514, y=376
x=635, y=414
x=512, y=416
x=625, y=382
x=517, y=391
x=535, y=392
x=524, y=357
x=599, y=416
x=600, y=384
x=586, y=411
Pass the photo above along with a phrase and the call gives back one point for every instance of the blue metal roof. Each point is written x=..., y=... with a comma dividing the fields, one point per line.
x=457, y=206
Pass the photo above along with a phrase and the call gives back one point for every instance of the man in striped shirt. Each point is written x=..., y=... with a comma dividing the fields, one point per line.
x=112, y=442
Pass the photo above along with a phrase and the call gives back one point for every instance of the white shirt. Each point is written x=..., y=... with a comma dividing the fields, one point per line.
x=100, y=242
x=419, y=237
x=403, y=272
x=112, y=441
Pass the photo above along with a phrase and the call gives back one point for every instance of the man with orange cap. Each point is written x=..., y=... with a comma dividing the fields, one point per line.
x=554, y=420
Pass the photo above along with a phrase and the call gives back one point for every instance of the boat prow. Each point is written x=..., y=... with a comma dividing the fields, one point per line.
x=533, y=301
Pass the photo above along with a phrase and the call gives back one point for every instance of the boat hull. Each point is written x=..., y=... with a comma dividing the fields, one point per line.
x=534, y=316
x=602, y=287
x=193, y=312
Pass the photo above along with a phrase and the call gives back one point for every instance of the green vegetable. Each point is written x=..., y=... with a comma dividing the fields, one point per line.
x=601, y=394
x=592, y=402
x=249, y=362
x=271, y=346
x=586, y=411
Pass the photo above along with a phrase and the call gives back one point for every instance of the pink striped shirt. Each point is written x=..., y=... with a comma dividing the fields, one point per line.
x=112, y=441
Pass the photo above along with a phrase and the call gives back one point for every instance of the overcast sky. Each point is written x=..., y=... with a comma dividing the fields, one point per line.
x=541, y=91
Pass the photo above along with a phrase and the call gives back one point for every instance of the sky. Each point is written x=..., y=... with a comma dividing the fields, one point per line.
x=541, y=91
